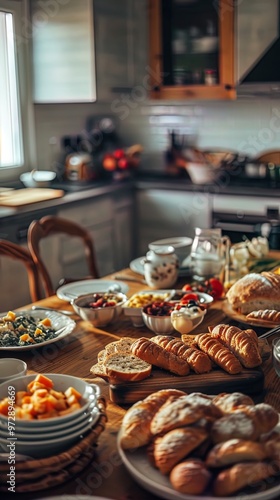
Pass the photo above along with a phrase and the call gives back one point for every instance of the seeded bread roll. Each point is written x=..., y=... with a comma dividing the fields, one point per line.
x=241, y=344
x=175, y=445
x=255, y=291
x=240, y=475
x=220, y=354
x=126, y=367
x=136, y=424
x=198, y=361
x=158, y=356
x=190, y=477
x=235, y=450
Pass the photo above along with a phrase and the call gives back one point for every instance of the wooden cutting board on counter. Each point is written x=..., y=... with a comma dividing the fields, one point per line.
x=27, y=196
x=249, y=381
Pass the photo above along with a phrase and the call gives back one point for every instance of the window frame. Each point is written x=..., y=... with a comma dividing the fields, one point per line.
x=20, y=11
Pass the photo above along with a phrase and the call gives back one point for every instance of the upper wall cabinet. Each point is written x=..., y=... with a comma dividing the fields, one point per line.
x=121, y=46
x=63, y=51
x=192, y=49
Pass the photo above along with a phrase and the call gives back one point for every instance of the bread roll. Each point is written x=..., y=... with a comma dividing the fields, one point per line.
x=255, y=291
x=190, y=477
x=228, y=402
x=175, y=445
x=184, y=411
x=198, y=361
x=158, y=356
x=240, y=475
x=126, y=367
x=264, y=416
x=241, y=344
x=220, y=354
x=265, y=315
x=235, y=450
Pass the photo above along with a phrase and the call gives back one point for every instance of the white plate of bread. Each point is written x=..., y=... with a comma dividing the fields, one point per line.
x=193, y=446
x=255, y=299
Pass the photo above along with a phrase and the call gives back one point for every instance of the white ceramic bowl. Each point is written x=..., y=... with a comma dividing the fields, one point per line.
x=11, y=368
x=158, y=324
x=37, y=178
x=99, y=316
x=61, y=382
x=181, y=244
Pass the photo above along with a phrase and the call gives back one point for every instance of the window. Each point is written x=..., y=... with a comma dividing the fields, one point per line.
x=11, y=151
x=17, y=130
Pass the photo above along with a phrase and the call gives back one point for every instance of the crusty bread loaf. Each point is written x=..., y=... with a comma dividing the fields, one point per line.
x=198, y=361
x=184, y=411
x=265, y=315
x=136, y=425
x=158, y=356
x=190, y=477
x=228, y=402
x=264, y=416
x=126, y=367
x=175, y=445
x=235, y=450
x=240, y=343
x=240, y=475
x=255, y=291
x=220, y=354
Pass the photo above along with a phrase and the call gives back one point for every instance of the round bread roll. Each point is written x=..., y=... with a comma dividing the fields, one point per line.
x=255, y=291
x=190, y=477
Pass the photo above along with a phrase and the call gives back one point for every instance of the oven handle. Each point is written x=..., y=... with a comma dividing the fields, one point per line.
x=231, y=226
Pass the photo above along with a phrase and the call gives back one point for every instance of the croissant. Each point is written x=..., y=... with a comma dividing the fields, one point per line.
x=220, y=354
x=198, y=361
x=265, y=315
x=240, y=343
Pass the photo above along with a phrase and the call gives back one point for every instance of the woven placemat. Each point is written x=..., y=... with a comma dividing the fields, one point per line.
x=39, y=474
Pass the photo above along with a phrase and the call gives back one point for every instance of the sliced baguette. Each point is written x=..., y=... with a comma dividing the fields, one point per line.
x=126, y=367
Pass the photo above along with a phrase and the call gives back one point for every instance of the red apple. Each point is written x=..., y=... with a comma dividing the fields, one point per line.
x=118, y=154
x=123, y=163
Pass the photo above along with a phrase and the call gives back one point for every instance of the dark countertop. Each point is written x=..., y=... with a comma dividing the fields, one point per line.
x=75, y=192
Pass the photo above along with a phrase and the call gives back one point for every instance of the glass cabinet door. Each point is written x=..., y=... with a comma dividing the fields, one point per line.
x=192, y=48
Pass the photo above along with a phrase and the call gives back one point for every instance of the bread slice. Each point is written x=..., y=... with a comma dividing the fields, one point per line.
x=126, y=367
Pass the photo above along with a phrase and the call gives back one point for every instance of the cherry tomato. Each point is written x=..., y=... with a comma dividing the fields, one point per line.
x=216, y=288
x=187, y=287
x=189, y=296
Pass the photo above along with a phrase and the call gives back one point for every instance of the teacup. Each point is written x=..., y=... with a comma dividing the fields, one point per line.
x=11, y=368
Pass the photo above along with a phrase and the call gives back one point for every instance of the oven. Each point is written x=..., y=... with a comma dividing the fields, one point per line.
x=241, y=217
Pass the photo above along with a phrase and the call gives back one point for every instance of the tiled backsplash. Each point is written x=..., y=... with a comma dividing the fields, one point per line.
x=243, y=125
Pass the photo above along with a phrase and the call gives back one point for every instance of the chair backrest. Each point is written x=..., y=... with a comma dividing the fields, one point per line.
x=48, y=226
x=19, y=253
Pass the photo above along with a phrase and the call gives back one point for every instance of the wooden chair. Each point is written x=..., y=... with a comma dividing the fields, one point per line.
x=51, y=225
x=19, y=253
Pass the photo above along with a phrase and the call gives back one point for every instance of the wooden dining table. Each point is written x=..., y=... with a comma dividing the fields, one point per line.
x=106, y=476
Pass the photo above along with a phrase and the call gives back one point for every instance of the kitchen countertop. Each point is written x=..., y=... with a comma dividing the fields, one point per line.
x=79, y=192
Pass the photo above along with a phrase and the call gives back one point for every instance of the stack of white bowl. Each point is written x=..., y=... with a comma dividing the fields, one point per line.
x=49, y=436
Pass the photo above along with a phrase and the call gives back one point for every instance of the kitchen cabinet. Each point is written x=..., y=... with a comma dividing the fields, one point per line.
x=121, y=47
x=167, y=213
x=192, y=49
x=63, y=59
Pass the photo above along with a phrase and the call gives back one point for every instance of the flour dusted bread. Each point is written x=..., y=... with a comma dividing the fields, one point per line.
x=228, y=402
x=136, y=424
x=255, y=291
x=235, y=450
x=240, y=475
x=190, y=477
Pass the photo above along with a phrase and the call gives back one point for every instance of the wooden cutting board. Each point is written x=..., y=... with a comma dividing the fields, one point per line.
x=249, y=381
x=27, y=196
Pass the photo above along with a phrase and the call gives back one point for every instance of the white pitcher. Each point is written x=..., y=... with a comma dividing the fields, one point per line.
x=209, y=253
x=161, y=267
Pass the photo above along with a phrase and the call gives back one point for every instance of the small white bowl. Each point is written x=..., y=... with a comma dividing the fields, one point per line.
x=100, y=316
x=158, y=324
x=37, y=178
x=11, y=368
